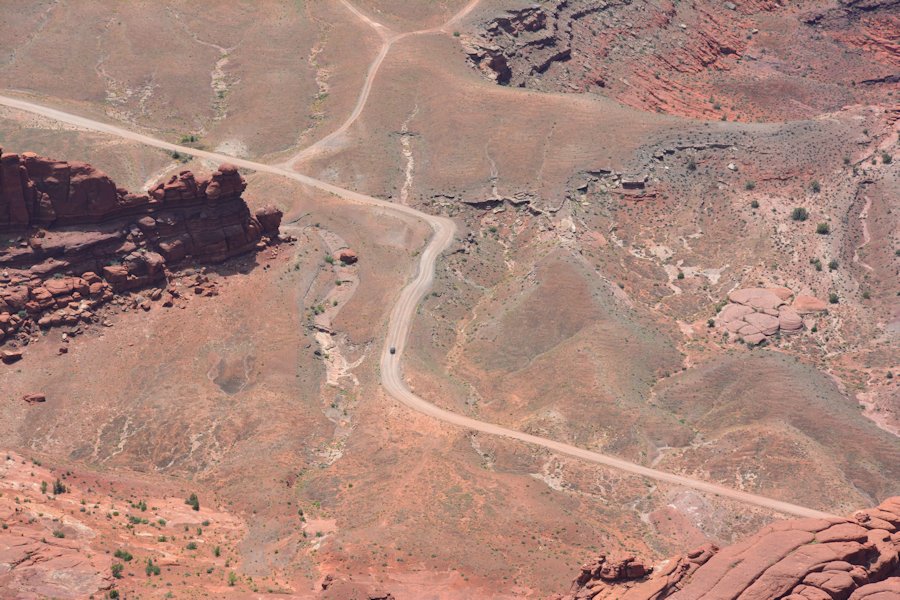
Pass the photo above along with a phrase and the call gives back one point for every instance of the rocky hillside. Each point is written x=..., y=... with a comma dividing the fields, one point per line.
x=71, y=241
x=800, y=559
x=731, y=60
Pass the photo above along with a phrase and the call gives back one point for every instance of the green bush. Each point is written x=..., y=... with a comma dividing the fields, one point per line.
x=832, y=265
x=754, y=204
x=886, y=158
x=823, y=229
x=799, y=214
x=833, y=298
x=193, y=501
x=815, y=186
x=151, y=568
x=123, y=554
x=749, y=185
x=117, y=569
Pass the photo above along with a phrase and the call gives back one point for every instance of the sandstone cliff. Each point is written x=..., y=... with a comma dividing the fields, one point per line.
x=70, y=239
x=851, y=558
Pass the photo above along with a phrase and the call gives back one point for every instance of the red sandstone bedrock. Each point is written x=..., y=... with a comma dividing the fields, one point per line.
x=800, y=559
x=75, y=238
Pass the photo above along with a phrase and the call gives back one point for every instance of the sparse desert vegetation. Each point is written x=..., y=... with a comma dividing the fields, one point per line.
x=553, y=281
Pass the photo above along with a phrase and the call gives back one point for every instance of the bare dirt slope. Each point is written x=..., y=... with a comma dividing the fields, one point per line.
x=588, y=295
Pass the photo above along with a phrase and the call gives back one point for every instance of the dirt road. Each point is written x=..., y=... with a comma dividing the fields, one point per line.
x=388, y=38
x=405, y=309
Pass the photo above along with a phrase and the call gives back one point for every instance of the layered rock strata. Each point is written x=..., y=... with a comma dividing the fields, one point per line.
x=852, y=558
x=70, y=239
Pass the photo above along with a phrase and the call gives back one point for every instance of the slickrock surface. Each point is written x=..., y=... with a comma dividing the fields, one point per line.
x=800, y=559
x=72, y=240
x=756, y=314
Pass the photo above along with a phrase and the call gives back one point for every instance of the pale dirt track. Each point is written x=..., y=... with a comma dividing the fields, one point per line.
x=388, y=38
x=404, y=310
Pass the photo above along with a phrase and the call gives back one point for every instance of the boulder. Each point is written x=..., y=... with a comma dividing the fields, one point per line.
x=767, y=324
x=269, y=218
x=759, y=298
x=782, y=292
x=34, y=398
x=348, y=256
x=789, y=319
x=754, y=339
x=808, y=304
x=733, y=312
x=10, y=356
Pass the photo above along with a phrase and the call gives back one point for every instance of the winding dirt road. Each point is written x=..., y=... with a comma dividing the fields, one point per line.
x=404, y=310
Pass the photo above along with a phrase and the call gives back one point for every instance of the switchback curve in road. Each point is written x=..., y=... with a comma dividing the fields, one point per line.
x=404, y=311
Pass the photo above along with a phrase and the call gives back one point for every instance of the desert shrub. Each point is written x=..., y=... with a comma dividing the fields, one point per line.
x=833, y=298
x=117, y=569
x=815, y=186
x=799, y=214
x=823, y=229
x=832, y=265
x=123, y=555
x=754, y=204
x=193, y=501
x=152, y=568
x=749, y=185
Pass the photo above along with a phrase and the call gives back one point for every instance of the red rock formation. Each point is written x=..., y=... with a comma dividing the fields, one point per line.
x=348, y=256
x=81, y=238
x=756, y=314
x=798, y=559
x=706, y=59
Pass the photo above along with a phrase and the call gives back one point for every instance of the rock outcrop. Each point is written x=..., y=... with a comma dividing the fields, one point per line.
x=72, y=239
x=851, y=558
x=702, y=59
x=756, y=314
